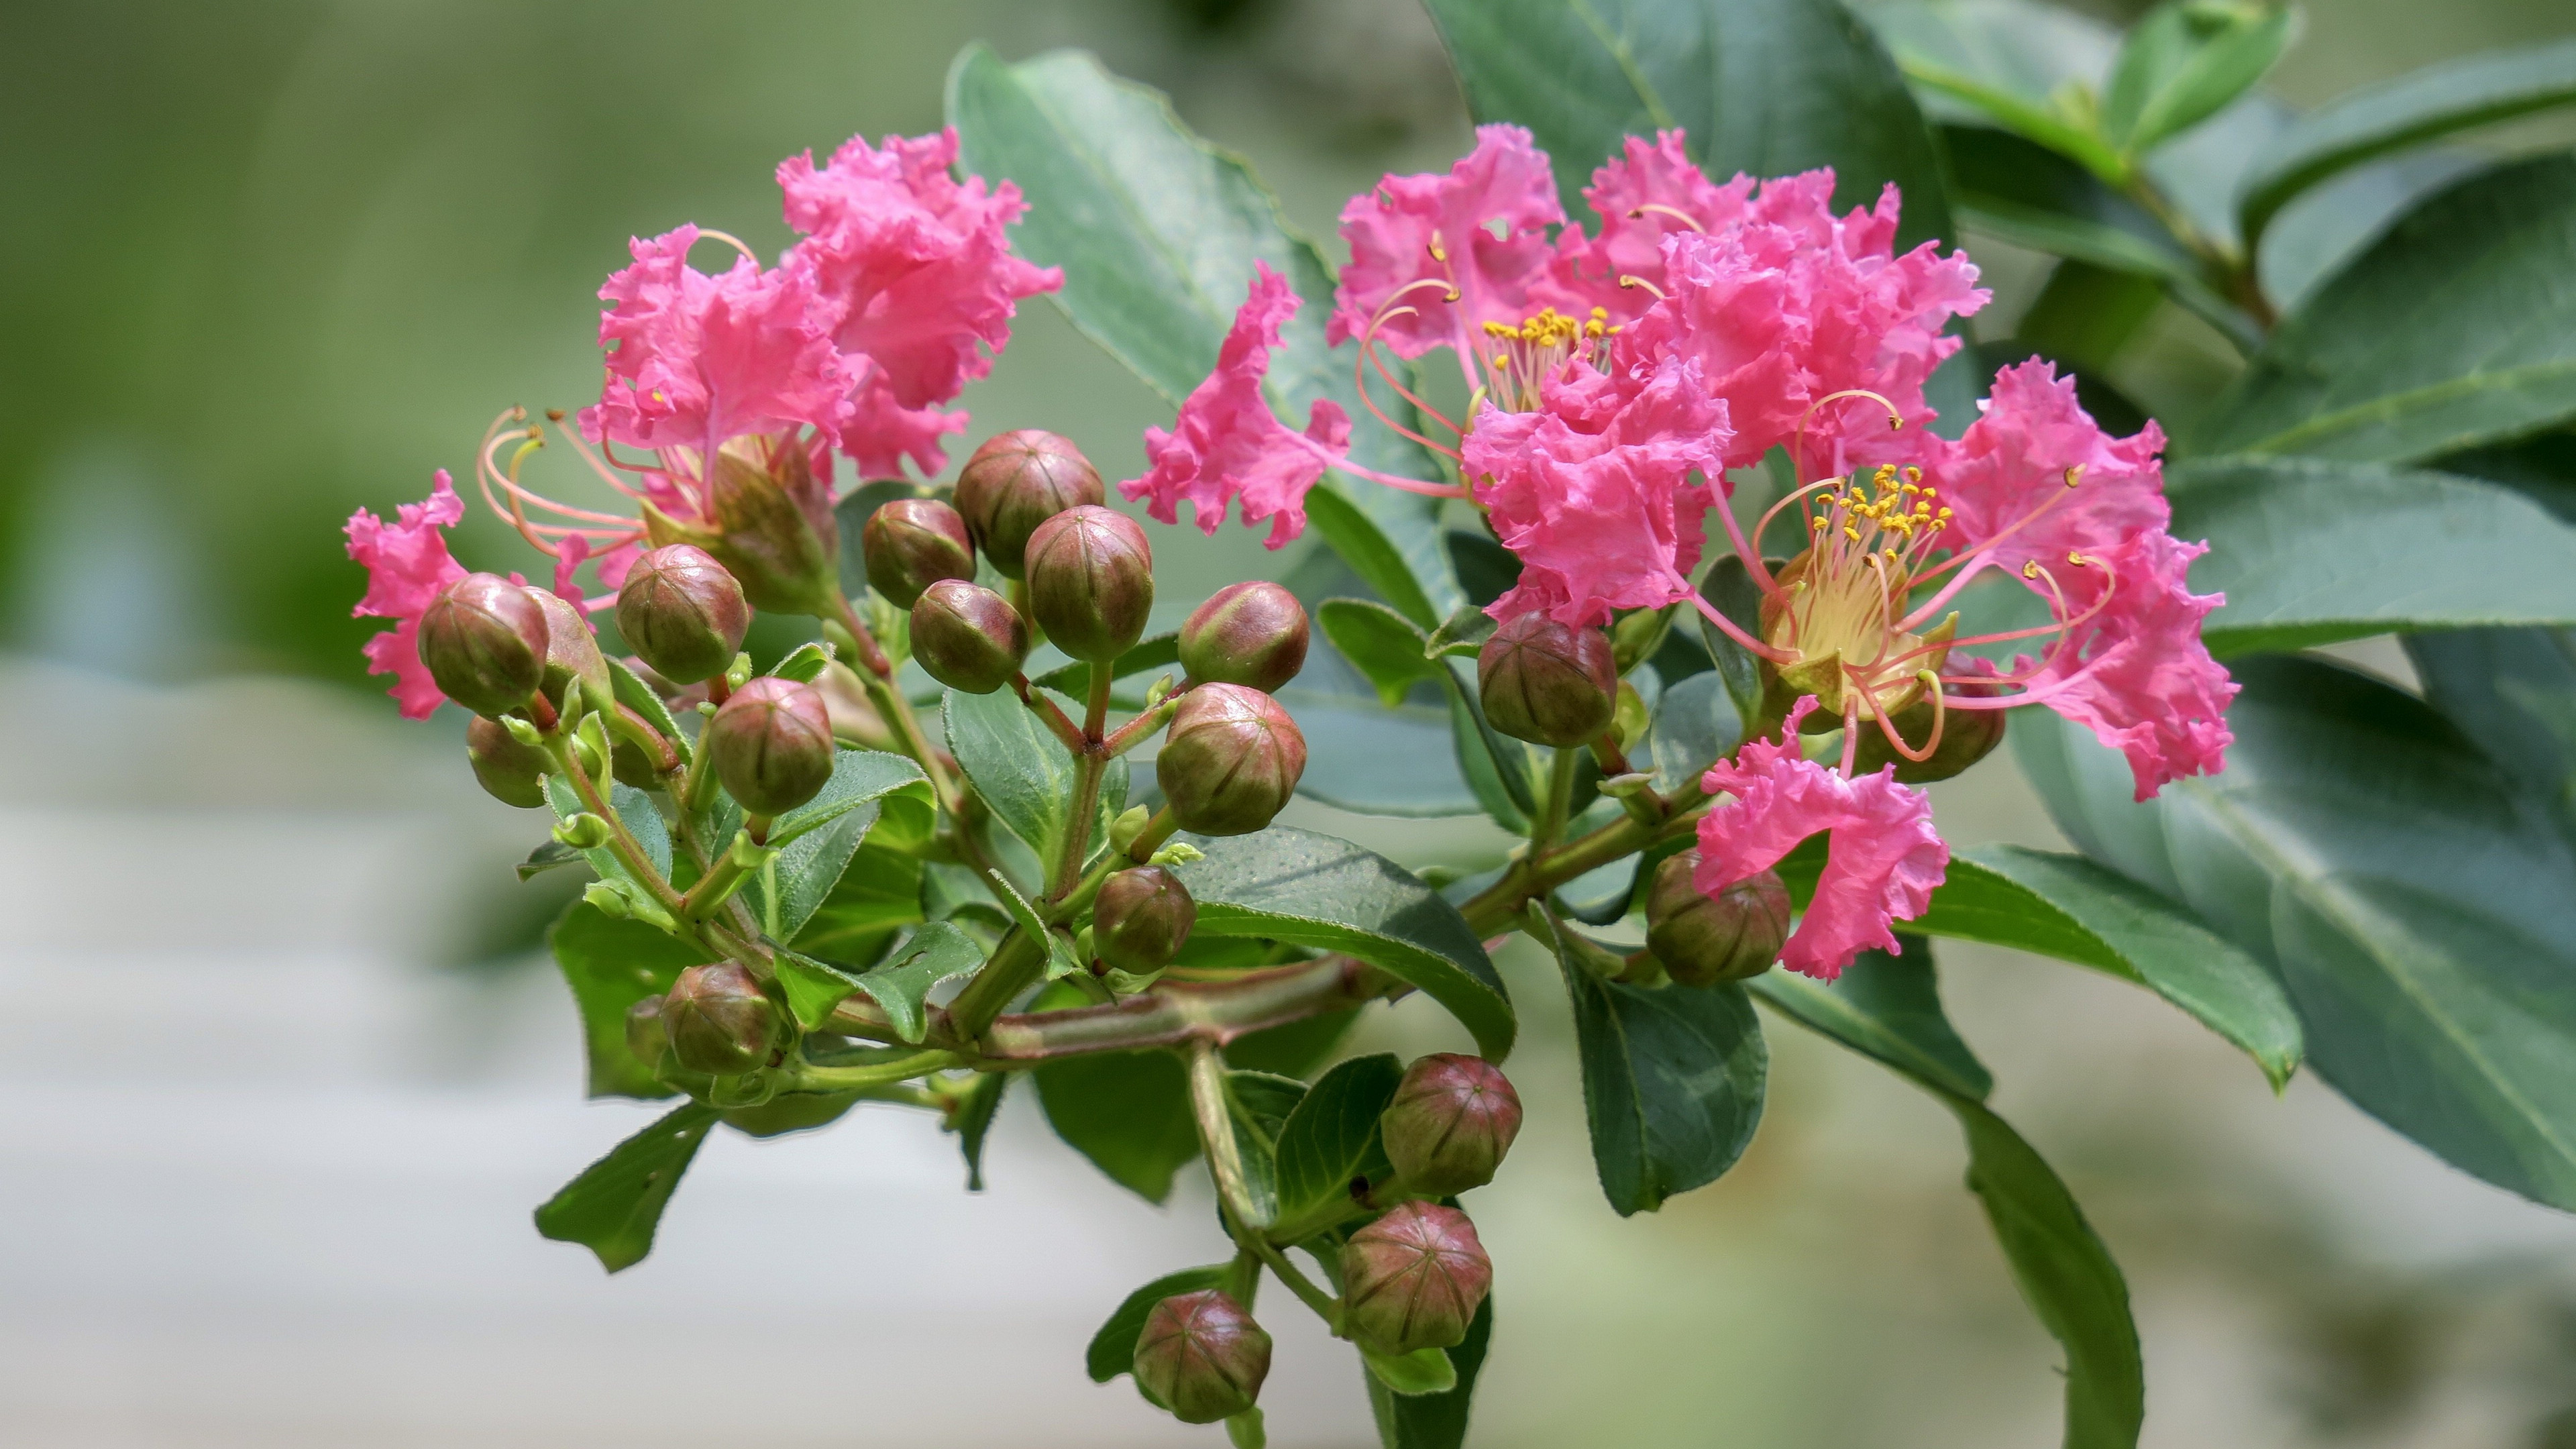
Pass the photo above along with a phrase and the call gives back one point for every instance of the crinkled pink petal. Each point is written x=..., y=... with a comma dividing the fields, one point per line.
x=1883, y=859
x=611, y=569
x=1227, y=445
x=1439, y=228
x=1599, y=504
x=1637, y=194
x=882, y=433
x=407, y=564
x=2013, y=462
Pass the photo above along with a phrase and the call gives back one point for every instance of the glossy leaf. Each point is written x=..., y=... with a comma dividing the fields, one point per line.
x=974, y=1122
x=1332, y=1137
x=1113, y=1348
x=615, y=1205
x=1129, y=1112
x=1022, y=770
x=1380, y=643
x=1423, y=1371
x=1371, y=760
x=1436, y=1421
x=2185, y=60
x=611, y=964
x=2513, y=691
x=2028, y=67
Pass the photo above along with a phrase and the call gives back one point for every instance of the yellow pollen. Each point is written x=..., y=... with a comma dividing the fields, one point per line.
x=2074, y=475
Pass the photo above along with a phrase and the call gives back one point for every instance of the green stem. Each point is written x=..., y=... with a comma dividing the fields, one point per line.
x=1560, y=801
x=621, y=841
x=723, y=877
x=878, y=679
x=1013, y=968
x=1211, y=1107
x=1326, y=1306
x=810, y=1078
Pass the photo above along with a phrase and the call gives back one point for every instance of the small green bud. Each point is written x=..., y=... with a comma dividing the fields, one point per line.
x=1017, y=481
x=1141, y=919
x=682, y=613
x=1091, y=581
x=773, y=745
x=1703, y=940
x=609, y=899
x=645, y=1036
x=1253, y=634
x=508, y=771
x=912, y=543
x=1638, y=635
x=1452, y=1119
x=1129, y=824
x=718, y=1022
x=1414, y=1279
x=584, y=831
x=572, y=652
x=1230, y=760
x=484, y=641
x=1546, y=683
x=1201, y=1356
x=968, y=637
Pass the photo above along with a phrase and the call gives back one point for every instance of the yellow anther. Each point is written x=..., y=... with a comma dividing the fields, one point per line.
x=1913, y=474
x=2074, y=475
x=2030, y=570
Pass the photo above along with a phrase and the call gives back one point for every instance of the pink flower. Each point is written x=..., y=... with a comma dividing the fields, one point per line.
x=1415, y=240
x=1642, y=195
x=575, y=551
x=1882, y=861
x=1594, y=492
x=407, y=564
x=1228, y=445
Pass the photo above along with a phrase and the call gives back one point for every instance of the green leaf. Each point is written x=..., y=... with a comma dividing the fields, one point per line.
x=803, y=663
x=1499, y=770
x=858, y=778
x=614, y=1206
x=1295, y=1049
x=2422, y=916
x=550, y=854
x=936, y=952
x=974, y=1122
x=878, y=894
x=1305, y=889
x=2183, y=62
x=1061, y=962
x=2514, y=692
x=1729, y=588
x=1022, y=770
x=2457, y=327
x=1461, y=636
x=1113, y=1348
x=1157, y=232
x=1888, y=1008
x=1332, y=1137
x=611, y=964
x=1436, y=1421
x=1258, y=1106
x=813, y=987
x=2420, y=106
x=1380, y=643
x=1695, y=724
x=1371, y=760
x=1423, y=1371
x=817, y=841
x=632, y=692
x=1129, y=1112
x=1154, y=651
x=1672, y=1080
x=635, y=809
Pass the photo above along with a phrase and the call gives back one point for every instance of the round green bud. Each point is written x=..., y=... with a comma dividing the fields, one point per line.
x=772, y=745
x=912, y=543
x=1703, y=940
x=484, y=641
x=508, y=771
x=646, y=1037
x=1230, y=760
x=1141, y=919
x=1547, y=683
x=1967, y=736
x=682, y=613
x=1017, y=481
x=1091, y=581
x=718, y=1022
x=968, y=637
x=572, y=652
x=1201, y=1356
x=1413, y=1279
x=773, y=528
x=1253, y=634
x=1452, y=1119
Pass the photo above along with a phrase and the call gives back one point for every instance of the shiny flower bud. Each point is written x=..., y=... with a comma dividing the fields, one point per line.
x=1452, y=1119
x=1967, y=736
x=1202, y=1357
x=682, y=613
x=770, y=525
x=1252, y=634
x=718, y=1022
x=1703, y=940
x=484, y=642
x=968, y=637
x=1141, y=918
x=1017, y=481
x=1230, y=760
x=1413, y=1279
x=572, y=652
x=912, y=543
x=508, y=771
x=1546, y=683
x=1091, y=581
x=646, y=1037
x=773, y=745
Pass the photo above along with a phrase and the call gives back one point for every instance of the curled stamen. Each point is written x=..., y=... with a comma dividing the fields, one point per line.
x=729, y=239
x=1798, y=454
x=1631, y=279
x=1675, y=212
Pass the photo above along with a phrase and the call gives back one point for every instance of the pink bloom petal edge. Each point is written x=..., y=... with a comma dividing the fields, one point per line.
x=1428, y=235
x=407, y=564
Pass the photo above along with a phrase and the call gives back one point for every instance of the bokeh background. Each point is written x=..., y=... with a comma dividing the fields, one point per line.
x=282, y=1072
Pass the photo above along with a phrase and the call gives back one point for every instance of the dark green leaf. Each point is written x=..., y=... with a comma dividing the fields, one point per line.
x=1462, y=636
x=1436, y=1421
x=632, y=692
x=1154, y=651
x=1371, y=760
x=1380, y=643
x=1022, y=770
x=2183, y=62
x=791, y=1112
x=1113, y=1348
x=614, y=1206
x=1423, y=1371
x=1886, y=1007
x=642, y=821
x=1332, y=1136
x=1695, y=723
x=1295, y=1049
x=552, y=854
x=611, y=964
x=974, y=1122
x=878, y=894
x=935, y=953
x=2514, y=692
x=1258, y=1105
x=2029, y=67
x=1730, y=589
x=1291, y=885
x=1500, y=771
x=1129, y=1112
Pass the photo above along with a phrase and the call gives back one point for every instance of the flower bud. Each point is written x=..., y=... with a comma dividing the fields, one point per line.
x=718, y=1022
x=572, y=652
x=1201, y=1356
x=682, y=613
x=1546, y=683
x=1141, y=918
x=1967, y=736
x=508, y=771
x=485, y=643
x=1230, y=760
x=1252, y=634
x=1413, y=1279
x=769, y=524
x=1017, y=481
x=968, y=637
x=773, y=745
x=646, y=1037
x=1452, y=1120
x=912, y=543
x=1091, y=581
x=1703, y=940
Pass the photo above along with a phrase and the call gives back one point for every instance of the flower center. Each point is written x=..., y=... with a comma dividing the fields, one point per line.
x=1519, y=359
x=1840, y=610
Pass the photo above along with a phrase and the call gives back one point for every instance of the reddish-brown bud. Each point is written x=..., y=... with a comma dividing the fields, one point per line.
x=1253, y=634
x=1703, y=940
x=968, y=637
x=484, y=641
x=508, y=771
x=1546, y=683
x=1413, y=1279
x=572, y=652
x=682, y=613
x=1202, y=1357
x=1091, y=581
x=912, y=543
x=1452, y=1120
x=770, y=524
x=1967, y=736
x=1141, y=918
x=773, y=745
x=1230, y=761
x=718, y=1022
x=1017, y=481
